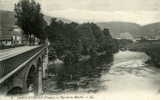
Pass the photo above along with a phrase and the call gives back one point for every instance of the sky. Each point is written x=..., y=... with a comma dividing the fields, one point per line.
x=138, y=11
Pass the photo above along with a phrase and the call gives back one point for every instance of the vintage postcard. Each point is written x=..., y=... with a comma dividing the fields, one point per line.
x=79, y=49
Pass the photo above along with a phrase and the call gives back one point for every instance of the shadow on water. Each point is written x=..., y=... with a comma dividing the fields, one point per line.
x=83, y=76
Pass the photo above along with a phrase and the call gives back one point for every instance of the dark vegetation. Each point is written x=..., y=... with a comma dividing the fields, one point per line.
x=82, y=75
x=82, y=48
x=154, y=54
x=30, y=20
x=151, y=48
x=124, y=43
x=70, y=41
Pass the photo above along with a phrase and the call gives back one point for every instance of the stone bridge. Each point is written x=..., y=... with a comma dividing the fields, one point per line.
x=22, y=69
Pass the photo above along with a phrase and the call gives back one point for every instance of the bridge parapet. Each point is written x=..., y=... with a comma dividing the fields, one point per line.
x=10, y=66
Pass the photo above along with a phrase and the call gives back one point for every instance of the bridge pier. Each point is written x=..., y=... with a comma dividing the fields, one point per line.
x=40, y=81
x=45, y=63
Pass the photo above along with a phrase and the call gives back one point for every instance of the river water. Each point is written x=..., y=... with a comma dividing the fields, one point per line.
x=127, y=73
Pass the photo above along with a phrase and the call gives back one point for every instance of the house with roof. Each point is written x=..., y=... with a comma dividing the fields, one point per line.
x=17, y=35
x=10, y=36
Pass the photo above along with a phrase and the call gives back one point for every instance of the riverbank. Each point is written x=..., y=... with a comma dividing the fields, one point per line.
x=151, y=48
x=154, y=54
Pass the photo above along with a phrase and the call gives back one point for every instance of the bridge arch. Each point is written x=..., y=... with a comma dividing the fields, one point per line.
x=33, y=81
x=26, y=74
x=15, y=91
x=30, y=79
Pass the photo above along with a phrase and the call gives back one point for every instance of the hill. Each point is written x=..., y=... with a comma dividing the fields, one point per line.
x=117, y=28
x=150, y=30
x=136, y=30
x=8, y=19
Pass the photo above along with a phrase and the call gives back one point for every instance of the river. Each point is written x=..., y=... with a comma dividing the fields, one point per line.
x=128, y=72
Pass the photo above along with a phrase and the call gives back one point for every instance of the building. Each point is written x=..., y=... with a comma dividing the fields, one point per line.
x=5, y=37
x=17, y=36
x=11, y=36
x=6, y=23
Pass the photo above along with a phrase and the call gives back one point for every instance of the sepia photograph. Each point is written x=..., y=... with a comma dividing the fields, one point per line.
x=79, y=49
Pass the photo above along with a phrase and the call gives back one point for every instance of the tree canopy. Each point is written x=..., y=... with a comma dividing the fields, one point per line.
x=71, y=40
x=30, y=18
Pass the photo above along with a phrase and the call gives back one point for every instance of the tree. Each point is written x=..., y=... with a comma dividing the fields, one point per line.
x=64, y=40
x=100, y=37
x=111, y=45
x=30, y=19
x=87, y=38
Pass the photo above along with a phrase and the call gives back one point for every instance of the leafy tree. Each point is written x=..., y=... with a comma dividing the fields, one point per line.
x=111, y=45
x=64, y=40
x=100, y=37
x=72, y=40
x=30, y=18
x=87, y=39
x=55, y=35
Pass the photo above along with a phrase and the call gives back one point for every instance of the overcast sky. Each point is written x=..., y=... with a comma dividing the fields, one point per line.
x=139, y=11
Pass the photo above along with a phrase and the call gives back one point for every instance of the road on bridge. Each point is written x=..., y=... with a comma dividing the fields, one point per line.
x=7, y=53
